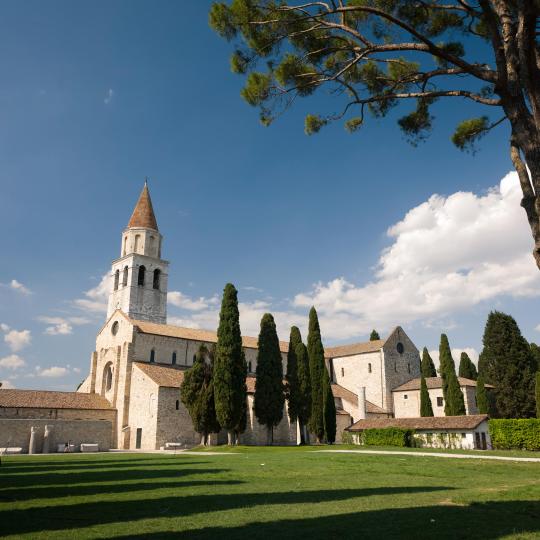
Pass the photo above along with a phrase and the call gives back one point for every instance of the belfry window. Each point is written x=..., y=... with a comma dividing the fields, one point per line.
x=116, y=279
x=157, y=275
x=125, y=276
x=137, y=242
x=140, y=277
x=152, y=355
x=250, y=367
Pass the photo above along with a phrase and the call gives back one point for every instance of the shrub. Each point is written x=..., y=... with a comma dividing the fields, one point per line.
x=388, y=437
x=347, y=438
x=507, y=434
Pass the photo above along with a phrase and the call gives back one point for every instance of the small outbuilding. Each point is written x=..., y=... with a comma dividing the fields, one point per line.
x=466, y=432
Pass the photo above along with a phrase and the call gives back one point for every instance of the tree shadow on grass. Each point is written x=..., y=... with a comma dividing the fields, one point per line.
x=494, y=519
x=46, y=492
x=99, y=475
x=60, y=517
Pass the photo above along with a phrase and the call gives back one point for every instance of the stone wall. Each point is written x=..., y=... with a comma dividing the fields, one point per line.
x=16, y=432
x=174, y=425
x=143, y=410
x=342, y=421
x=60, y=414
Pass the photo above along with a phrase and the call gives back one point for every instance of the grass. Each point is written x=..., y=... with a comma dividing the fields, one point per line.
x=264, y=493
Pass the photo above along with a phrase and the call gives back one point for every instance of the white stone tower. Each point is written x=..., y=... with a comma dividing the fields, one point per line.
x=139, y=276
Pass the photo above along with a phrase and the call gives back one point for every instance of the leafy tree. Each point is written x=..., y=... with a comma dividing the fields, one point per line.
x=427, y=367
x=374, y=55
x=508, y=364
x=466, y=367
x=374, y=336
x=317, y=368
x=426, y=408
x=304, y=380
x=230, y=366
x=269, y=396
x=293, y=384
x=197, y=394
x=329, y=410
x=537, y=394
x=482, y=401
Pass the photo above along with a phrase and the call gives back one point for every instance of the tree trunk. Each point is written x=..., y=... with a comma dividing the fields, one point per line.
x=306, y=434
x=302, y=433
x=203, y=439
x=269, y=435
x=231, y=437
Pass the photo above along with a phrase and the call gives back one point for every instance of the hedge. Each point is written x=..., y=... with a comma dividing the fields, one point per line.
x=388, y=437
x=522, y=434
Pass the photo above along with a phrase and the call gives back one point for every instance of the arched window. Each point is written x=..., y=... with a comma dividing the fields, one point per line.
x=177, y=404
x=343, y=372
x=108, y=377
x=125, y=276
x=140, y=278
x=137, y=242
x=174, y=358
x=194, y=358
x=369, y=367
x=152, y=355
x=116, y=279
x=157, y=275
x=125, y=246
x=249, y=367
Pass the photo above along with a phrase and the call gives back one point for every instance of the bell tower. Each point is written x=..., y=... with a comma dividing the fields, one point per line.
x=139, y=276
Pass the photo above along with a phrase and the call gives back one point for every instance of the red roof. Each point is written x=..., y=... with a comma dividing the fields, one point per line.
x=143, y=214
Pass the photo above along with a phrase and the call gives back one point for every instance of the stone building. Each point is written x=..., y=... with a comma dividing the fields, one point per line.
x=139, y=360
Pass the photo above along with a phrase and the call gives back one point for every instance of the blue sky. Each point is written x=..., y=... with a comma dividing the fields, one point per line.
x=96, y=96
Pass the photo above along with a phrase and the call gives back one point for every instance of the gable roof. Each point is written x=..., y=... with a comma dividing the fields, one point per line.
x=162, y=374
x=343, y=393
x=422, y=423
x=434, y=382
x=143, y=214
x=354, y=348
x=194, y=334
x=46, y=399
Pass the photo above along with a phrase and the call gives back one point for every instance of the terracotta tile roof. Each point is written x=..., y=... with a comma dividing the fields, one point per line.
x=422, y=423
x=162, y=374
x=434, y=382
x=354, y=348
x=343, y=393
x=194, y=334
x=45, y=399
x=143, y=214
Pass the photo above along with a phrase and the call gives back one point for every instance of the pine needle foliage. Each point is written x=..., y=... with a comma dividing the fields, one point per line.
x=374, y=336
x=482, y=401
x=230, y=365
x=427, y=367
x=426, y=408
x=269, y=391
x=304, y=380
x=466, y=367
x=317, y=368
x=293, y=393
x=329, y=410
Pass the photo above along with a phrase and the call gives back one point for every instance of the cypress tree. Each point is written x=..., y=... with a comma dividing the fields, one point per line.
x=374, y=336
x=197, y=394
x=427, y=367
x=538, y=394
x=455, y=404
x=482, y=401
x=304, y=380
x=535, y=350
x=508, y=364
x=242, y=424
x=316, y=370
x=329, y=410
x=466, y=367
x=230, y=366
x=446, y=363
x=293, y=383
x=269, y=396
x=426, y=408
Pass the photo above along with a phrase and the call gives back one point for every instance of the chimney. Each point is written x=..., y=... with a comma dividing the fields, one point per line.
x=361, y=403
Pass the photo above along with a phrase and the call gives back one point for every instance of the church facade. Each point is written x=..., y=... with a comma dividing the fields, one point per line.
x=133, y=384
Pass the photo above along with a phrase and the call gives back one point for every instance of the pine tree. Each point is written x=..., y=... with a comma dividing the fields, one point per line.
x=304, y=380
x=329, y=410
x=374, y=336
x=508, y=364
x=538, y=394
x=197, y=394
x=426, y=408
x=293, y=384
x=269, y=396
x=482, y=401
x=427, y=367
x=466, y=367
x=230, y=365
x=316, y=369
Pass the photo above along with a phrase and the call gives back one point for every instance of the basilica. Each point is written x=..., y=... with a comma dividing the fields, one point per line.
x=130, y=398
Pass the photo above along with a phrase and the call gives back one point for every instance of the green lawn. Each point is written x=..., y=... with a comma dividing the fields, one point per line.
x=266, y=493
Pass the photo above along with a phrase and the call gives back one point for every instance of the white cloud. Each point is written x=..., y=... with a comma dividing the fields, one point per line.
x=447, y=254
x=456, y=355
x=6, y=384
x=109, y=96
x=182, y=301
x=53, y=372
x=62, y=329
x=4, y=327
x=19, y=287
x=17, y=339
x=62, y=325
x=95, y=300
x=12, y=361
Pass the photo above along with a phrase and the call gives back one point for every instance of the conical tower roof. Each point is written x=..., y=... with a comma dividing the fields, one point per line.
x=143, y=214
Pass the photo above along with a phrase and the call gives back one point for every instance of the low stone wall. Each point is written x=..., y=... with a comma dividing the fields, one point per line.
x=16, y=432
